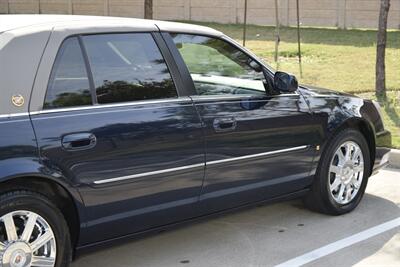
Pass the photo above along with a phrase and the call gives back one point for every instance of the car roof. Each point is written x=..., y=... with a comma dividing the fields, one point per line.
x=13, y=22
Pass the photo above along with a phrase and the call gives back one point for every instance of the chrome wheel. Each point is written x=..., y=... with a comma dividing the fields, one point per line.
x=26, y=239
x=346, y=172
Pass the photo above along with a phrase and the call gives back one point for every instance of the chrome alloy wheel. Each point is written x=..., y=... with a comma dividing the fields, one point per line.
x=26, y=239
x=346, y=172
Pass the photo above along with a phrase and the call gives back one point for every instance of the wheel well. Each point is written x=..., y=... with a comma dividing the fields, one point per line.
x=365, y=129
x=55, y=192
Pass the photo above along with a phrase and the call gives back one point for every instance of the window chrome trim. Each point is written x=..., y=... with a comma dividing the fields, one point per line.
x=13, y=115
x=126, y=104
x=214, y=162
x=240, y=97
x=135, y=103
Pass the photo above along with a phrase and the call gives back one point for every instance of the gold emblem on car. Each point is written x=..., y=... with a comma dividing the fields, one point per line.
x=18, y=100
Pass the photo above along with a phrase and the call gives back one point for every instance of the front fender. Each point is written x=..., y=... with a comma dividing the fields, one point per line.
x=335, y=112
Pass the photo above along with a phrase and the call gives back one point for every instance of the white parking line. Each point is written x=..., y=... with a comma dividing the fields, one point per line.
x=345, y=242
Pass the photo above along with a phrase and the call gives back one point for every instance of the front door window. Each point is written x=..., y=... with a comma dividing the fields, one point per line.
x=219, y=68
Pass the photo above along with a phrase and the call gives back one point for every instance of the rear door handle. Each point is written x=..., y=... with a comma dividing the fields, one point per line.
x=79, y=141
x=224, y=124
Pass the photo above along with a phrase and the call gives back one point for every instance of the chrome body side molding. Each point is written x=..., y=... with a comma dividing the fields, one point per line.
x=139, y=175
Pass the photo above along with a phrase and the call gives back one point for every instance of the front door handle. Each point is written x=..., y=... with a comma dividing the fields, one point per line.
x=79, y=141
x=224, y=124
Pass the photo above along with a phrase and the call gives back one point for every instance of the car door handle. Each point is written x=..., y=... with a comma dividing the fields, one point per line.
x=224, y=124
x=79, y=141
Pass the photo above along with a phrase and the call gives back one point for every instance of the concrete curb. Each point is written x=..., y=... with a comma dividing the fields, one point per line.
x=394, y=158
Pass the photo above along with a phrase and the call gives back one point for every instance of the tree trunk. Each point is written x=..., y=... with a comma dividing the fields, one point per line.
x=380, y=49
x=148, y=9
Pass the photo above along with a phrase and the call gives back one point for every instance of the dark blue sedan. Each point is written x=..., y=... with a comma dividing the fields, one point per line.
x=114, y=127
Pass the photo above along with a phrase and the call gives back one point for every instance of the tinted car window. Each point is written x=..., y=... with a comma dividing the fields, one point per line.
x=219, y=68
x=69, y=83
x=128, y=67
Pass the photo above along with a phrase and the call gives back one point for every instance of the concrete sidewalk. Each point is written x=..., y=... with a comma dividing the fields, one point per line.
x=394, y=159
x=269, y=235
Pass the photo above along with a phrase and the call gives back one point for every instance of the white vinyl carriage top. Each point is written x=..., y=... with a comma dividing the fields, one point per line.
x=29, y=44
x=12, y=22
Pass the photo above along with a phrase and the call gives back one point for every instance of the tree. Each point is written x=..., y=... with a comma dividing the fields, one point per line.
x=381, y=49
x=148, y=9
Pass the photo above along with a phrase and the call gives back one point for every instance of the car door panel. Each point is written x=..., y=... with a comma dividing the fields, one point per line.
x=267, y=154
x=132, y=179
x=259, y=143
x=113, y=124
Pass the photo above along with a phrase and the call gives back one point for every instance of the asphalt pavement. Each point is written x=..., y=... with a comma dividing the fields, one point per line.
x=284, y=233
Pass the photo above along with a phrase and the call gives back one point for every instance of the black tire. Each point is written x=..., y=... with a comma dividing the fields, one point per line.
x=319, y=198
x=41, y=205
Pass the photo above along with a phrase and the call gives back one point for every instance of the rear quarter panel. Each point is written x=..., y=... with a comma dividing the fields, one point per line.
x=21, y=52
x=18, y=149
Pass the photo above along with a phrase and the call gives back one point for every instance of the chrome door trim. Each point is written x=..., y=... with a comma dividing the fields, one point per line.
x=122, y=178
x=101, y=106
x=214, y=162
x=270, y=153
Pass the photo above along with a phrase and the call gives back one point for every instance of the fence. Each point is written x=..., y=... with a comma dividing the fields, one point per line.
x=333, y=13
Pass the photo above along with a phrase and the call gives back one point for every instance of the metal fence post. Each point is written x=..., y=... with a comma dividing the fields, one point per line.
x=70, y=8
x=106, y=7
x=233, y=8
x=341, y=14
x=299, y=38
x=187, y=7
x=245, y=23
x=345, y=14
x=277, y=29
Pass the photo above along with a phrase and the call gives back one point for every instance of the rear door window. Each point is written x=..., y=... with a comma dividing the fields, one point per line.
x=69, y=83
x=128, y=67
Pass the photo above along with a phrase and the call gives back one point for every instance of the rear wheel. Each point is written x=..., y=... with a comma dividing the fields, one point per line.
x=33, y=232
x=342, y=174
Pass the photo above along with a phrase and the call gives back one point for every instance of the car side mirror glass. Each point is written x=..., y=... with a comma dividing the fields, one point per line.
x=285, y=82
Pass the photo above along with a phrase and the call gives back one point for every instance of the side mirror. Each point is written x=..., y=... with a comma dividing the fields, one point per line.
x=285, y=82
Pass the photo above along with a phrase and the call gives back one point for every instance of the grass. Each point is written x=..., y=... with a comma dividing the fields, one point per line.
x=390, y=112
x=343, y=60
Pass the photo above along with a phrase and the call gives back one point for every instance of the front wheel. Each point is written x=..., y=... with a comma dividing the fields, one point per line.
x=33, y=232
x=342, y=174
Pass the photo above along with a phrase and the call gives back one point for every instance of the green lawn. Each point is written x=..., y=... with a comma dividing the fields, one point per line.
x=342, y=60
